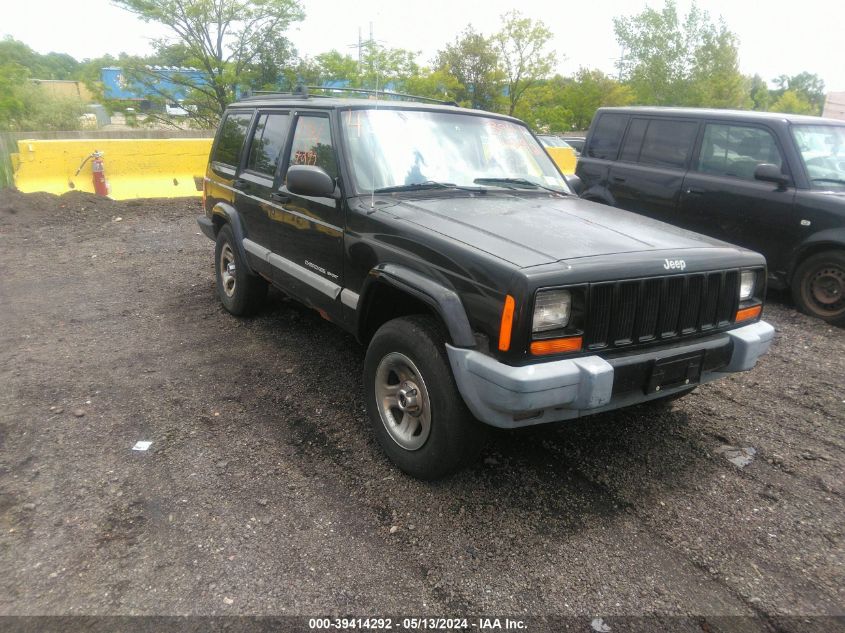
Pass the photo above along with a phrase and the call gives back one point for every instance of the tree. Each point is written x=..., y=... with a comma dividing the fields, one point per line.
x=807, y=86
x=716, y=81
x=522, y=51
x=589, y=90
x=435, y=84
x=474, y=62
x=672, y=61
x=49, y=66
x=759, y=93
x=225, y=39
x=793, y=102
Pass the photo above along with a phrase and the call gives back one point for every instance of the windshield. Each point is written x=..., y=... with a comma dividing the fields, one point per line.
x=553, y=141
x=822, y=149
x=409, y=149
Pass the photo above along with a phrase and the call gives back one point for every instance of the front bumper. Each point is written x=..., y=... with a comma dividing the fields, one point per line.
x=207, y=227
x=509, y=397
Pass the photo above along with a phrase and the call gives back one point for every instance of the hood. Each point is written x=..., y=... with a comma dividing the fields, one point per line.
x=535, y=230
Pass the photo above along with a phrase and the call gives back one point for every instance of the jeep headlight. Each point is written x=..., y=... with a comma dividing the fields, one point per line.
x=552, y=309
x=747, y=283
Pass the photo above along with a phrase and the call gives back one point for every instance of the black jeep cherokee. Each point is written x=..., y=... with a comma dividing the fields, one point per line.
x=447, y=241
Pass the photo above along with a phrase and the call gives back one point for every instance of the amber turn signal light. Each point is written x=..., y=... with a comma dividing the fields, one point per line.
x=507, y=324
x=556, y=345
x=748, y=313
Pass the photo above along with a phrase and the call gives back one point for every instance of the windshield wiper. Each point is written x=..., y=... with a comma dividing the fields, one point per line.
x=421, y=186
x=839, y=180
x=516, y=183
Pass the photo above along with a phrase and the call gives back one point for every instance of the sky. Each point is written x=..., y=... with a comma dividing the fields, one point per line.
x=775, y=37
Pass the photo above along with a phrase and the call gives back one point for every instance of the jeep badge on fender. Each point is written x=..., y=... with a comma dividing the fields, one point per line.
x=413, y=226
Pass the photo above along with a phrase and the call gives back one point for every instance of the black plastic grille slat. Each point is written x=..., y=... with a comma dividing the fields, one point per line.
x=691, y=303
x=649, y=302
x=600, y=311
x=711, y=300
x=624, y=312
x=670, y=306
x=729, y=299
x=637, y=311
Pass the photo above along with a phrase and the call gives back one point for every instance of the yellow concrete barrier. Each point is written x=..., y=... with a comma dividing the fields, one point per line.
x=135, y=168
x=564, y=157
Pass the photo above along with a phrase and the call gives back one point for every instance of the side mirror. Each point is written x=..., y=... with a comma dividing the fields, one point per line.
x=575, y=183
x=770, y=173
x=308, y=180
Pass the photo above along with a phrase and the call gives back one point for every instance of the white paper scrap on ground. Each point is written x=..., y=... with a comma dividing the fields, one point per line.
x=141, y=446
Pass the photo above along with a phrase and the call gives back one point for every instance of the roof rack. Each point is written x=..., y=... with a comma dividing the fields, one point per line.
x=302, y=92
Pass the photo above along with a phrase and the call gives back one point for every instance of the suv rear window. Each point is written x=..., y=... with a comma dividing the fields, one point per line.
x=668, y=143
x=232, y=133
x=268, y=140
x=607, y=135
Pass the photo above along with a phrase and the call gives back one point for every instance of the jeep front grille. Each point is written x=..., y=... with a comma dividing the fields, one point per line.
x=638, y=311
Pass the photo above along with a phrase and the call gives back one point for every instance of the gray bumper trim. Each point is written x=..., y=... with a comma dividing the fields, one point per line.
x=508, y=397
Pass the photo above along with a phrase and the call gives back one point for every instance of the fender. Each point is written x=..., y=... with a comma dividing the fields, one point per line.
x=598, y=194
x=833, y=238
x=444, y=301
x=230, y=215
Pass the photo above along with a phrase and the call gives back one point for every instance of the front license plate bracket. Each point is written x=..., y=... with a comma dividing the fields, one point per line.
x=674, y=371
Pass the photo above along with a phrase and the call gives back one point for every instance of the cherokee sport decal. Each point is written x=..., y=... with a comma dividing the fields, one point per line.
x=320, y=269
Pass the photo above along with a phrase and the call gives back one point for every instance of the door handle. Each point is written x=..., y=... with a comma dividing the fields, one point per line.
x=618, y=179
x=239, y=183
x=694, y=191
x=279, y=197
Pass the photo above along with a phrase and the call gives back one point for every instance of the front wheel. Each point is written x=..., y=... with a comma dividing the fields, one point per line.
x=818, y=286
x=413, y=404
x=241, y=292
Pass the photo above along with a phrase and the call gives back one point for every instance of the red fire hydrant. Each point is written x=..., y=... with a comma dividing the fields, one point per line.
x=98, y=172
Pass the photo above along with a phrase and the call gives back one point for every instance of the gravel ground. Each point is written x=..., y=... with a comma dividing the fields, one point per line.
x=264, y=491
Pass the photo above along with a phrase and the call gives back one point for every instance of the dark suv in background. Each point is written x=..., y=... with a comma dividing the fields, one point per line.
x=771, y=182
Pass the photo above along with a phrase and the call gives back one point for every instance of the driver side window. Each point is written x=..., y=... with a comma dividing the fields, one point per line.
x=734, y=150
x=312, y=144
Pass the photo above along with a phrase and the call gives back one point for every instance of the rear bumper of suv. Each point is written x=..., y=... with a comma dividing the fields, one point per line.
x=510, y=397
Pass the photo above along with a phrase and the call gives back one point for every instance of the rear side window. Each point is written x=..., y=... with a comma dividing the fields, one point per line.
x=232, y=133
x=268, y=140
x=312, y=144
x=607, y=135
x=668, y=143
x=634, y=140
x=736, y=150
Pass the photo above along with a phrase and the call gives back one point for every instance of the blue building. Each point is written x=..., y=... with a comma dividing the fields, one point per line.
x=161, y=82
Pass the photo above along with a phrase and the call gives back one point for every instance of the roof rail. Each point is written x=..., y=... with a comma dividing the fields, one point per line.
x=386, y=93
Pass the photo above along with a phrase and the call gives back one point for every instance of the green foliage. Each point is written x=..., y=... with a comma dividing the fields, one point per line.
x=793, y=102
x=521, y=45
x=590, y=90
x=235, y=43
x=24, y=107
x=436, y=84
x=672, y=61
x=806, y=86
x=49, y=66
x=759, y=93
x=473, y=61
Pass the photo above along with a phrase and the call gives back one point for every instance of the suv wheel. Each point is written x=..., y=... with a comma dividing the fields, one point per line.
x=413, y=404
x=240, y=291
x=818, y=286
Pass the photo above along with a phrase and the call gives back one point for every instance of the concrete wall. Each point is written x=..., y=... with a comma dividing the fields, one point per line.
x=834, y=106
x=134, y=168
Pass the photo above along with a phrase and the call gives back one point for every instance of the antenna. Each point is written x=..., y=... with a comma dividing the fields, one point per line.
x=373, y=145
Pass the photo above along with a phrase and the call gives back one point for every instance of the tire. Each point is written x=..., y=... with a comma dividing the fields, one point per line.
x=818, y=286
x=240, y=292
x=428, y=432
